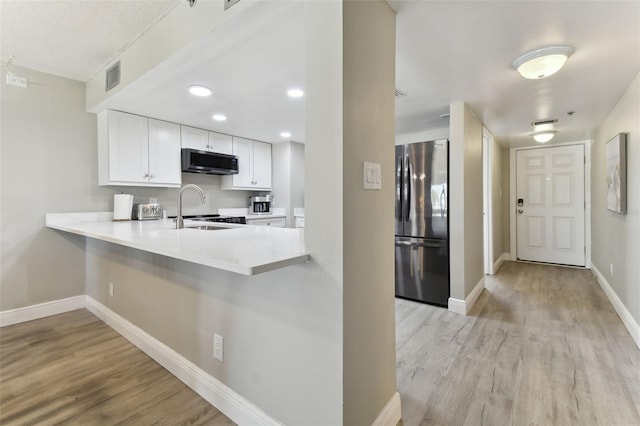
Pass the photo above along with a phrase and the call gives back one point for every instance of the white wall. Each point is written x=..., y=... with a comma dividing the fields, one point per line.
x=506, y=185
x=616, y=239
x=425, y=135
x=497, y=195
x=466, y=242
x=288, y=177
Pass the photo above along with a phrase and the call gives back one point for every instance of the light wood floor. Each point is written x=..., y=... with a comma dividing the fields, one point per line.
x=542, y=346
x=74, y=369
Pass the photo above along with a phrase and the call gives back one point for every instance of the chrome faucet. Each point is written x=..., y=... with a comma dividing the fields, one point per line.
x=179, y=220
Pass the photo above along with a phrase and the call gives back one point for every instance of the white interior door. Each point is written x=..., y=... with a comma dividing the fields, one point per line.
x=550, y=205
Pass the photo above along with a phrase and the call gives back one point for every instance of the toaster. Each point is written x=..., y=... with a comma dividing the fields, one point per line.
x=150, y=211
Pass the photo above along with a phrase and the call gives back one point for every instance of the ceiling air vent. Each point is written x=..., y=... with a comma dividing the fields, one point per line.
x=229, y=3
x=113, y=77
x=538, y=123
x=400, y=93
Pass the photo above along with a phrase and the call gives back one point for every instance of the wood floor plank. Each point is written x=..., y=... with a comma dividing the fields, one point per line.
x=74, y=369
x=542, y=346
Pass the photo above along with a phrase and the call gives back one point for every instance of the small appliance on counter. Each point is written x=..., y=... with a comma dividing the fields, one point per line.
x=148, y=211
x=261, y=204
x=122, y=205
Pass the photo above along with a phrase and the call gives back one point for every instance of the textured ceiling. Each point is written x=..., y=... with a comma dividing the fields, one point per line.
x=74, y=39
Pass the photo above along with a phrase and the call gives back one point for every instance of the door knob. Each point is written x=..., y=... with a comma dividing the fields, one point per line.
x=520, y=211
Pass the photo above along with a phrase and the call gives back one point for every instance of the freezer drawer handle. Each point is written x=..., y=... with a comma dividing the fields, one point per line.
x=417, y=244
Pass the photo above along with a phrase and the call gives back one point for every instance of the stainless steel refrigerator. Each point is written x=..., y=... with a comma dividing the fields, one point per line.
x=422, y=222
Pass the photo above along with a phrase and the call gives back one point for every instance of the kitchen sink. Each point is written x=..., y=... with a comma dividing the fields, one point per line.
x=207, y=227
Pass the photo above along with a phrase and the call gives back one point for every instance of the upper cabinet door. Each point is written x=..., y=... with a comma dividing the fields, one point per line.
x=164, y=152
x=194, y=138
x=261, y=165
x=127, y=147
x=243, y=148
x=221, y=143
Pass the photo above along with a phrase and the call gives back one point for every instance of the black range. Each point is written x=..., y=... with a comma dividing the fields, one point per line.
x=215, y=218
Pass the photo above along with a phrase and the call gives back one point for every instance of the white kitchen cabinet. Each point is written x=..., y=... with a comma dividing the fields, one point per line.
x=137, y=151
x=194, y=138
x=204, y=140
x=221, y=143
x=164, y=153
x=254, y=166
x=279, y=222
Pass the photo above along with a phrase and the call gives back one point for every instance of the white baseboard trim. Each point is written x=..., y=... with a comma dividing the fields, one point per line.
x=391, y=413
x=229, y=402
x=464, y=306
x=457, y=306
x=41, y=310
x=629, y=322
x=498, y=263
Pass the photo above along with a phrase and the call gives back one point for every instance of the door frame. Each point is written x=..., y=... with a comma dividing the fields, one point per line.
x=513, y=248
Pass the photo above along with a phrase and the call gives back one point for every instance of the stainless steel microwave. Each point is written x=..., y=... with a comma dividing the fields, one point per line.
x=212, y=163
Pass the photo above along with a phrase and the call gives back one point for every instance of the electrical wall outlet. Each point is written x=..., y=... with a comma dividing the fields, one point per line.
x=218, y=347
x=110, y=289
x=611, y=268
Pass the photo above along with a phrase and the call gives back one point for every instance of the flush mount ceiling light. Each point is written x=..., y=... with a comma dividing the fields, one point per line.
x=285, y=134
x=542, y=62
x=219, y=117
x=544, y=136
x=201, y=91
x=295, y=93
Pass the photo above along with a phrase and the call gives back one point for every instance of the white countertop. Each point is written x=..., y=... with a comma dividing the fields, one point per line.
x=246, y=250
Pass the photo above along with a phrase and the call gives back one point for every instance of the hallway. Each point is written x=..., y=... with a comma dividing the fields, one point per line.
x=541, y=346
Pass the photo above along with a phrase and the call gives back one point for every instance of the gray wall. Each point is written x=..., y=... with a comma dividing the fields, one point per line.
x=616, y=239
x=369, y=304
x=48, y=157
x=282, y=347
x=465, y=199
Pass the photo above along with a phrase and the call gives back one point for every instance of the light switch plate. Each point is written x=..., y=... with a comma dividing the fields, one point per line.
x=371, y=175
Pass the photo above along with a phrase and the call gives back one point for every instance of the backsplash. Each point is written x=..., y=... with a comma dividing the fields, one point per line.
x=210, y=184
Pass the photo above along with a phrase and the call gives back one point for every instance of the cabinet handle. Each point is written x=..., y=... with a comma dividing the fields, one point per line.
x=146, y=175
x=151, y=176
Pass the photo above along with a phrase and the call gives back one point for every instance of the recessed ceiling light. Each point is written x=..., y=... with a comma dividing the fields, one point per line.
x=201, y=91
x=542, y=62
x=544, y=136
x=295, y=93
x=285, y=134
x=219, y=117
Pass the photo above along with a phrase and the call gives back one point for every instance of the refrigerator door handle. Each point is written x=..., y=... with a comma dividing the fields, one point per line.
x=443, y=197
x=399, y=188
x=407, y=197
x=418, y=244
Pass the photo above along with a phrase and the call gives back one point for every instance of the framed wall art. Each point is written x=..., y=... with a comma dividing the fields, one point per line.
x=616, y=152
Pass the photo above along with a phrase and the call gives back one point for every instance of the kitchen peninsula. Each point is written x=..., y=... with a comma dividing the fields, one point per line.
x=246, y=250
